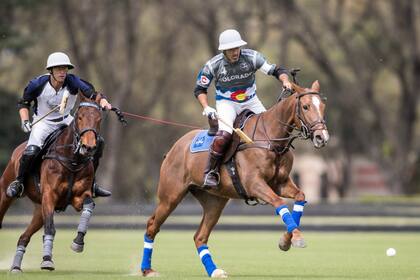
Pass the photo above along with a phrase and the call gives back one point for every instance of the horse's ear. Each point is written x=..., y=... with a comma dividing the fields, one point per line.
x=98, y=97
x=315, y=86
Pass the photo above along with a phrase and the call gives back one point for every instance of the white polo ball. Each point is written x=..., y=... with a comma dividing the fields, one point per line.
x=390, y=252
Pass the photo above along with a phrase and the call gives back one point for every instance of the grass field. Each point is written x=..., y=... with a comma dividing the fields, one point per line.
x=116, y=254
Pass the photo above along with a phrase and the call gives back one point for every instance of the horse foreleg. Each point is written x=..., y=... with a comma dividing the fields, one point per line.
x=262, y=191
x=24, y=239
x=48, y=205
x=290, y=190
x=167, y=203
x=78, y=243
x=212, y=209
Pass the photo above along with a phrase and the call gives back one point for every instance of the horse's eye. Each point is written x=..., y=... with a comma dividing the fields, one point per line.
x=305, y=107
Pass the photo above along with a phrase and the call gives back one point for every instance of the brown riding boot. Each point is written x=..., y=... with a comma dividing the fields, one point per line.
x=220, y=143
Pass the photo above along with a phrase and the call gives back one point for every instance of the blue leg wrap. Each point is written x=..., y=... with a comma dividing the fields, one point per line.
x=204, y=254
x=298, y=211
x=287, y=217
x=147, y=254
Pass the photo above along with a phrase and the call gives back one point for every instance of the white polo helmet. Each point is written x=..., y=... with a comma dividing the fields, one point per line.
x=58, y=59
x=229, y=39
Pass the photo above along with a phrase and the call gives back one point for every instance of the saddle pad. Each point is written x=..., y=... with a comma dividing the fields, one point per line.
x=201, y=142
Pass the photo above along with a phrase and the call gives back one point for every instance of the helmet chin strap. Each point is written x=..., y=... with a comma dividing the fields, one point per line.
x=52, y=75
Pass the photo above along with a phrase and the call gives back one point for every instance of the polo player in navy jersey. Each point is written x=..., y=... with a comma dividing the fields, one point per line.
x=46, y=92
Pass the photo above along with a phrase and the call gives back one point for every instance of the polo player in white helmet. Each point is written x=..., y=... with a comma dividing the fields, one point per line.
x=46, y=92
x=233, y=71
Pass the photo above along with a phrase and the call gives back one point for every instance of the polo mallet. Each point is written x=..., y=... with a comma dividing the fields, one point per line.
x=238, y=131
x=60, y=107
x=46, y=115
x=63, y=103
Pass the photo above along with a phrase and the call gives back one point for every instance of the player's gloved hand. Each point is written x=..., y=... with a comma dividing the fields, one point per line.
x=210, y=112
x=26, y=126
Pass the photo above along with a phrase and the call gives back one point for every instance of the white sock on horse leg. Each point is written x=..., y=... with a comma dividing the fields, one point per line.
x=17, y=260
x=48, y=245
x=85, y=217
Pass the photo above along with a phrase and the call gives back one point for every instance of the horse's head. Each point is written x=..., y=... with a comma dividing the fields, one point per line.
x=87, y=125
x=309, y=114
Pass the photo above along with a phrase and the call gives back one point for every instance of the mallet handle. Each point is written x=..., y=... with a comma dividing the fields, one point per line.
x=240, y=133
x=44, y=116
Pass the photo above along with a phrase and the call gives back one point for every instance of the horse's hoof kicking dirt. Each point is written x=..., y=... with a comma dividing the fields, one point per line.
x=15, y=270
x=219, y=273
x=299, y=243
x=150, y=273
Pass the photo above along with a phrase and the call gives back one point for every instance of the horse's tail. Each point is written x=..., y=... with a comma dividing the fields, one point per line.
x=7, y=177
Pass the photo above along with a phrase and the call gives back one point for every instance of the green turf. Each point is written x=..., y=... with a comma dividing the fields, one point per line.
x=115, y=254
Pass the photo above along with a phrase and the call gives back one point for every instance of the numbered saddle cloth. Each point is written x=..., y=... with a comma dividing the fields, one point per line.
x=201, y=142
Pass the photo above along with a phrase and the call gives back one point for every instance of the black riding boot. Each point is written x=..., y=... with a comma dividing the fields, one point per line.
x=213, y=127
x=98, y=191
x=16, y=188
x=220, y=143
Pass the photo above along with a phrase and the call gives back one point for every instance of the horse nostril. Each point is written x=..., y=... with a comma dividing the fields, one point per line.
x=319, y=139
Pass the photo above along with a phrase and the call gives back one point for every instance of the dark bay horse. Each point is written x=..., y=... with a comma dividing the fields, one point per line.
x=263, y=169
x=66, y=177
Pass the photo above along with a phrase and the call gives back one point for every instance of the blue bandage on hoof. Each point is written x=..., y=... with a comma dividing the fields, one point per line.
x=147, y=253
x=298, y=211
x=286, y=217
x=205, y=256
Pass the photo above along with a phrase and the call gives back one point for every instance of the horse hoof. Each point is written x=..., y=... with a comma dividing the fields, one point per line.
x=285, y=241
x=15, y=270
x=299, y=243
x=76, y=247
x=150, y=273
x=47, y=265
x=219, y=273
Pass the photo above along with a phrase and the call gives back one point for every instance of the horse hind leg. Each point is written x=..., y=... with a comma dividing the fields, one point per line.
x=78, y=243
x=24, y=239
x=169, y=197
x=212, y=209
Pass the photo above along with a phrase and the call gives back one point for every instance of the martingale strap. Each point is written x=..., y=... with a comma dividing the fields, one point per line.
x=232, y=171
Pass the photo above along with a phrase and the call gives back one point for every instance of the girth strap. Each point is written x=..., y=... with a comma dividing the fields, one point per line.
x=232, y=171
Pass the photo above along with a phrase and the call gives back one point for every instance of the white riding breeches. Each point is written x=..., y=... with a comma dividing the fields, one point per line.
x=42, y=129
x=228, y=110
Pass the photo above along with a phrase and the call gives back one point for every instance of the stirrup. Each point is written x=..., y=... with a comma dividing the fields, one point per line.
x=206, y=177
x=13, y=189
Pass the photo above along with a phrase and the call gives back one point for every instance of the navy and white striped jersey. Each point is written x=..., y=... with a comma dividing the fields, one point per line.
x=233, y=81
x=40, y=91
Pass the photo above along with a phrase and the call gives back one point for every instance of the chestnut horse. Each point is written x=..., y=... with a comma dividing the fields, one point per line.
x=66, y=177
x=263, y=168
